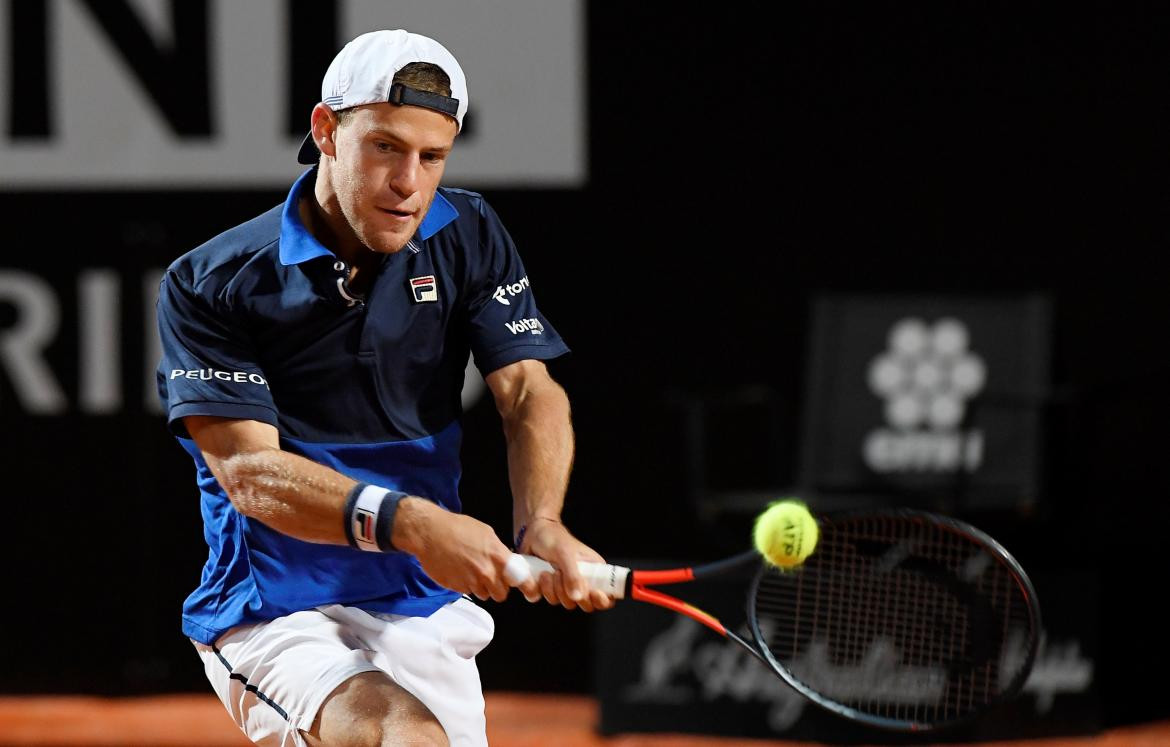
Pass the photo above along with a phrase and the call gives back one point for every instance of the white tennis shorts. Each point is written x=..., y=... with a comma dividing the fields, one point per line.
x=273, y=677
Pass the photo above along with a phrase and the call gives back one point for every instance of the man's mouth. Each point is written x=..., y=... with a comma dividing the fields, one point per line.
x=398, y=213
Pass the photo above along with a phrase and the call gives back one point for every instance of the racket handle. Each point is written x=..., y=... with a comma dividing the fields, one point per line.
x=610, y=579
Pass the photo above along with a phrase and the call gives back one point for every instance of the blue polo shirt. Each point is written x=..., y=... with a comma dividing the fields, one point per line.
x=258, y=324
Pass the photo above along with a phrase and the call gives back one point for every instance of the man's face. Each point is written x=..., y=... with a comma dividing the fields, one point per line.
x=388, y=163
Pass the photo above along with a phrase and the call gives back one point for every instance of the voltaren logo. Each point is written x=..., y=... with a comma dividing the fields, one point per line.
x=525, y=325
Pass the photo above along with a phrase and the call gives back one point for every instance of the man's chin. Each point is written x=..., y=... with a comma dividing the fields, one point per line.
x=385, y=248
x=389, y=242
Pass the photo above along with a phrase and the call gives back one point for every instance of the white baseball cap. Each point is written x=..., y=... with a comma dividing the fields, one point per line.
x=363, y=73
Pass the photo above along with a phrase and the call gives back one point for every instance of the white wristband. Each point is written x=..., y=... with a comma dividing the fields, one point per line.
x=369, y=517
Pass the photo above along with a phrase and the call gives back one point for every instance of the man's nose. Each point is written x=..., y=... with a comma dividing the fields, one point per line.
x=404, y=180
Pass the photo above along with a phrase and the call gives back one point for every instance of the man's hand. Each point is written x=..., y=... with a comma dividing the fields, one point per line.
x=550, y=540
x=539, y=434
x=456, y=550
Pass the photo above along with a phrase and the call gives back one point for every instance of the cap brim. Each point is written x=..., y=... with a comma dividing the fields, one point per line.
x=308, y=154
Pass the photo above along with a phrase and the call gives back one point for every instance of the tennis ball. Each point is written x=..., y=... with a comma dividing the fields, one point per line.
x=786, y=533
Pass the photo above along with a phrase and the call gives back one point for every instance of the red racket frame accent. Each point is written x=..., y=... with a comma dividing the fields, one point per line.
x=643, y=594
x=674, y=576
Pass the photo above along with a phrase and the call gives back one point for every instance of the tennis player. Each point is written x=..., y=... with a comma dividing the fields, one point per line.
x=312, y=364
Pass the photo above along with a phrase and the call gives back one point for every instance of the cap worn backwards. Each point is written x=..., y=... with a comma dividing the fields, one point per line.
x=363, y=73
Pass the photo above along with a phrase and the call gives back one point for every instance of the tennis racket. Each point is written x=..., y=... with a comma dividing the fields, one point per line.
x=901, y=619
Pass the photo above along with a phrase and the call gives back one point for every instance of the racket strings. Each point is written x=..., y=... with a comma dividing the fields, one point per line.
x=903, y=620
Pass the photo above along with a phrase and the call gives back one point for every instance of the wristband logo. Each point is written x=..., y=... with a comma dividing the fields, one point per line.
x=363, y=525
x=513, y=290
x=208, y=374
x=525, y=325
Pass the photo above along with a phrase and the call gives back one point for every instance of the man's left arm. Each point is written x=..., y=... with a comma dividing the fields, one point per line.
x=539, y=433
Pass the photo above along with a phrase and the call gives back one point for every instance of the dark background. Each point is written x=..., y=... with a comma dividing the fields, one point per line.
x=742, y=162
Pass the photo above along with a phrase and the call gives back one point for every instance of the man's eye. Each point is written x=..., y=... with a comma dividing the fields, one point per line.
x=383, y=147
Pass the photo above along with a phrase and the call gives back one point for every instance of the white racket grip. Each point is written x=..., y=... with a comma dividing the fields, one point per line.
x=609, y=579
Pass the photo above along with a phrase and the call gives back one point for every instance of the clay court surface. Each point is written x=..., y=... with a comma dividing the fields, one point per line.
x=514, y=720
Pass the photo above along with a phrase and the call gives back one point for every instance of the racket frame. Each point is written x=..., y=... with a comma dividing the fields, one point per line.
x=903, y=725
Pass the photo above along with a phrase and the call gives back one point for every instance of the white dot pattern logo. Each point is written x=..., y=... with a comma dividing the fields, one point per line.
x=927, y=375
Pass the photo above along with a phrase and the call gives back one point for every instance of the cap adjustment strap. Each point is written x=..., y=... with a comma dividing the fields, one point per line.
x=401, y=94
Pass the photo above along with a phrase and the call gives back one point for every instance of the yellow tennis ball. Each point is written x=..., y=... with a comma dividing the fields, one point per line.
x=786, y=533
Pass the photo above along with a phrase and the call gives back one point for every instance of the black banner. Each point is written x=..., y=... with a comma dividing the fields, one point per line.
x=913, y=396
x=661, y=672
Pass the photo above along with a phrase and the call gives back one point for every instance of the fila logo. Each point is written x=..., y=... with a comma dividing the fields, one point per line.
x=525, y=325
x=423, y=289
x=514, y=289
x=363, y=525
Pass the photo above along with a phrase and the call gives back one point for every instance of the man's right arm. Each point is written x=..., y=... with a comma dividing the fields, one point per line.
x=303, y=499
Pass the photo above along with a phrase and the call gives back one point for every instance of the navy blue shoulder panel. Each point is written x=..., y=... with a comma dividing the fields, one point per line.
x=209, y=366
x=503, y=322
x=211, y=267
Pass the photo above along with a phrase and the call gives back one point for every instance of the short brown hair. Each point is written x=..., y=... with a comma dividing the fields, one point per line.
x=424, y=76
x=421, y=76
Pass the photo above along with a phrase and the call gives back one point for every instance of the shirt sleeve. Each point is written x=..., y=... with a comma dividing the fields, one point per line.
x=208, y=364
x=505, y=324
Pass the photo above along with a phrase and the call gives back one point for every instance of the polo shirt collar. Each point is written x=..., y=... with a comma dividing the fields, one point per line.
x=298, y=245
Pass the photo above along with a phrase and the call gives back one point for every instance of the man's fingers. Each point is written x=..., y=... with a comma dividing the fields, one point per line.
x=552, y=588
x=552, y=585
x=600, y=600
x=547, y=584
x=575, y=585
x=595, y=600
x=570, y=589
x=567, y=588
x=530, y=589
x=569, y=600
x=499, y=591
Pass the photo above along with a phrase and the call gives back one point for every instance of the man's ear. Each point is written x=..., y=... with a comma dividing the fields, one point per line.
x=324, y=130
